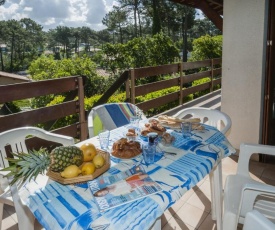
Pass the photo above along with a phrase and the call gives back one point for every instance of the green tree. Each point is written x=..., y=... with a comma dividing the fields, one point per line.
x=207, y=47
x=202, y=27
x=24, y=39
x=115, y=20
x=156, y=25
x=104, y=36
x=62, y=36
x=45, y=67
x=139, y=52
x=87, y=35
x=76, y=35
x=133, y=6
x=34, y=39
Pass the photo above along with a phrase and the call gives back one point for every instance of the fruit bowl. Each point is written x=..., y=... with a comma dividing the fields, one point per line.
x=81, y=179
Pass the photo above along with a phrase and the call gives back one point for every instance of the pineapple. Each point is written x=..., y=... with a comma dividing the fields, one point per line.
x=26, y=166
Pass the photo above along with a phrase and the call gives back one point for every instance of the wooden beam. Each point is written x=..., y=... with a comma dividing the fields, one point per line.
x=211, y=14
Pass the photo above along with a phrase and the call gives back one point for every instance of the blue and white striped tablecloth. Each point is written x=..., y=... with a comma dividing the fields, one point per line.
x=72, y=207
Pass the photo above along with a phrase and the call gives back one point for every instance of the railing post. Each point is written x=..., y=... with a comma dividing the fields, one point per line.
x=127, y=87
x=212, y=75
x=132, y=79
x=181, y=82
x=82, y=119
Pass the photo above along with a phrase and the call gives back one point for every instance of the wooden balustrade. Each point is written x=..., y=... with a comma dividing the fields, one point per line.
x=180, y=79
x=73, y=86
x=72, y=105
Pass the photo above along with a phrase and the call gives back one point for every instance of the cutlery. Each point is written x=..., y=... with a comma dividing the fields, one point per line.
x=171, y=153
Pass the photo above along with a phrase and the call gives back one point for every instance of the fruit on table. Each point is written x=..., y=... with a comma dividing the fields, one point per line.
x=88, y=168
x=98, y=161
x=63, y=156
x=27, y=166
x=89, y=151
x=71, y=171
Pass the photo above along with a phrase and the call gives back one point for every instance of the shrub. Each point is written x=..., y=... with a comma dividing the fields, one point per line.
x=199, y=82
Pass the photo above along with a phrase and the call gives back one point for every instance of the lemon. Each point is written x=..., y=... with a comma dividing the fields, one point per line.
x=71, y=171
x=98, y=161
x=88, y=168
x=89, y=151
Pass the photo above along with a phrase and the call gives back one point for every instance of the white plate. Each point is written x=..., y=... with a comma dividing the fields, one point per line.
x=125, y=159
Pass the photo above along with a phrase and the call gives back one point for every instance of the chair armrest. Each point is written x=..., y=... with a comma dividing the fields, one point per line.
x=54, y=137
x=249, y=194
x=246, y=150
x=261, y=188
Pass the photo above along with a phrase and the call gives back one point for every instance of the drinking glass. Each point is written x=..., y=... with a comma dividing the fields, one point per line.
x=104, y=136
x=149, y=152
x=134, y=120
x=186, y=129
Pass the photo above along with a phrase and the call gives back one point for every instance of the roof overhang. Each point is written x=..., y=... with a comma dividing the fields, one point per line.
x=213, y=9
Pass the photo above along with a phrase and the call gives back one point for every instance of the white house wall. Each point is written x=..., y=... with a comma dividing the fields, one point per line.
x=244, y=29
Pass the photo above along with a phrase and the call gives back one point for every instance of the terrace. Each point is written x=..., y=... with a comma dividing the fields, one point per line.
x=246, y=70
x=193, y=211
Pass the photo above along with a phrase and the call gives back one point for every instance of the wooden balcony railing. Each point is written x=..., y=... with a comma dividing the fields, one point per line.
x=212, y=69
x=72, y=105
x=179, y=80
x=73, y=86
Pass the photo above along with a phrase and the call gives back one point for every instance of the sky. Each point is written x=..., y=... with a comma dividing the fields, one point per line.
x=53, y=13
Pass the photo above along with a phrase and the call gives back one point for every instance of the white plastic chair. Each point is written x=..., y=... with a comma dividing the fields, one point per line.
x=255, y=220
x=110, y=116
x=243, y=194
x=11, y=194
x=208, y=116
x=223, y=123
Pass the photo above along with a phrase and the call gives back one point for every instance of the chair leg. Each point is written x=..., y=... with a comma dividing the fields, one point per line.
x=1, y=214
x=27, y=222
x=24, y=215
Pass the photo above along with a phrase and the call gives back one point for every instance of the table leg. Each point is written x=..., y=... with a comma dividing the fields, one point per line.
x=212, y=189
x=217, y=187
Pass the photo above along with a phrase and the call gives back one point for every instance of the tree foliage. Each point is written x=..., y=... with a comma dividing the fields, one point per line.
x=24, y=41
x=207, y=47
x=45, y=67
x=138, y=52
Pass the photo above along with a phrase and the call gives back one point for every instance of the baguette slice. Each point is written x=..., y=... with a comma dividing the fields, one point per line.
x=165, y=118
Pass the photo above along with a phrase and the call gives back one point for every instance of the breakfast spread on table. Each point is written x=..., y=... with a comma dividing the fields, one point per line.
x=167, y=139
x=173, y=122
x=126, y=149
x=91, y=160
x=62, y=163
x=153, y=125
x=131, y=133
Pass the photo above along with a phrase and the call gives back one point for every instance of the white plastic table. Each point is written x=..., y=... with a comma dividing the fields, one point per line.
x=58, y=206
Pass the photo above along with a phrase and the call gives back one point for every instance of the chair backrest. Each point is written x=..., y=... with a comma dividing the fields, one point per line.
x=16, y=139
x=255, y=220
x=110, y=116
x=208, y=116
x=255, y=195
